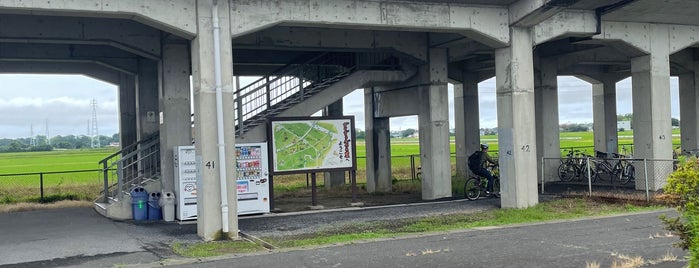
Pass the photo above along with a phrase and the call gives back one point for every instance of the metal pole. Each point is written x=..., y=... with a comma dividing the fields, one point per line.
x=645, y=171
x=542, y=175
x=412, y=166
x=41, y=187
x=353, y=177
x=314, y=196
x=589, y=178
x=105, y=175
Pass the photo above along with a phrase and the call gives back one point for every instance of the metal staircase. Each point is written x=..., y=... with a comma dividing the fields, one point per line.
x=133, y=166
x=292, y=84
x=138, y=164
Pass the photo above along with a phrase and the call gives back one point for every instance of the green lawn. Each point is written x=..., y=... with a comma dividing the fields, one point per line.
x=71, y=160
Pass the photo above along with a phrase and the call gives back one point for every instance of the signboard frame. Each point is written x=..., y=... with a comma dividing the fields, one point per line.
x=348, y=143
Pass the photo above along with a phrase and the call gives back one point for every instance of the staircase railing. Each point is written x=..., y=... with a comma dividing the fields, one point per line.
x=131, y=166
x=291, y=84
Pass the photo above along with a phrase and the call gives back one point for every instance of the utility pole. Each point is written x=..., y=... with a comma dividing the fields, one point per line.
x=93, y=130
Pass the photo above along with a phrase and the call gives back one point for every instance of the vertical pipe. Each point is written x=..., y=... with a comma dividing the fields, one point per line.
x=219, y=120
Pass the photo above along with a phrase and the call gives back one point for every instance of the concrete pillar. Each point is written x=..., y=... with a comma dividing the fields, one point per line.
x=378, y=147
x=548, y=142
x=335, y=178
x=127, y=110
x=175, y=110
x=147, y=98
x=689, y=110
x=209, y=205
x=651, y=112
x=433, y=121
x=604, y=116
x=516, y=121
x=466, y=121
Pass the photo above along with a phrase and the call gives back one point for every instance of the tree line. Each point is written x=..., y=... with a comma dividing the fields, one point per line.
x=41, y=143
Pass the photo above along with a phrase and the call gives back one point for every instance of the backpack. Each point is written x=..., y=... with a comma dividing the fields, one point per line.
x=474, y=161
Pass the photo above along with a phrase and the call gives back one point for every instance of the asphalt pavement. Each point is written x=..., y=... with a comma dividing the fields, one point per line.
x=80, y=237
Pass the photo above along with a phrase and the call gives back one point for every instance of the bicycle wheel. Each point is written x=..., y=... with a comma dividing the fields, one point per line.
x=566, y=172
x=628, y=174
x=472, y=188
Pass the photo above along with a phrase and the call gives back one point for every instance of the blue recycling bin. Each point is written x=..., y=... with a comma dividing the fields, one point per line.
x=154, y=210
x=139, y=200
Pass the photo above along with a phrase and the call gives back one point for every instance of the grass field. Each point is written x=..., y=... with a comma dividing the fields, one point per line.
x=86, y=185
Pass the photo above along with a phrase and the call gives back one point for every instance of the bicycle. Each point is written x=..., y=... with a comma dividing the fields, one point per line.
x=476, y=185
x=628, y=173
x=574, y=166
x=619, y=171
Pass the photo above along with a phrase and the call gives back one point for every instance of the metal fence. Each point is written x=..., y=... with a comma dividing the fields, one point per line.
x=50, y=186
x=608, y=175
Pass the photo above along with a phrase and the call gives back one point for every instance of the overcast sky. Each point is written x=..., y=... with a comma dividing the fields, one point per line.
x=63, y=103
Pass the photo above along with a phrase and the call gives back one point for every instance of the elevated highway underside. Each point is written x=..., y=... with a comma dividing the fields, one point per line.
x=403, y=53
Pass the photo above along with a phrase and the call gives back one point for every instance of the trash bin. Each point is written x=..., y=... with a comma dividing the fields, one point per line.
x=167, y=204
x=154, y=212
x=139, y=199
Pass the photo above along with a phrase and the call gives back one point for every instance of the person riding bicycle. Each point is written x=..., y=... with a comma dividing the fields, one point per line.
x=483, y=159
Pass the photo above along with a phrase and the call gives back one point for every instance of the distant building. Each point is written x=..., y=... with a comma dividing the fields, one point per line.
x=626, y=125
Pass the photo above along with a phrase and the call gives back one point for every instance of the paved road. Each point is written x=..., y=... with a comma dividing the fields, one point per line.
x=561, y=244
x=79, y=237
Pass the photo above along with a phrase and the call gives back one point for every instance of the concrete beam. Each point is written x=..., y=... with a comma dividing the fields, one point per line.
x=596, y=56
x=527, y=13
x=409, y=43
x=90, y=69
x=572, y=23
x=486, y=24
x=100, y=55
x=400, y=102
x=123, y=34
x=177, y=17
x=643, y=35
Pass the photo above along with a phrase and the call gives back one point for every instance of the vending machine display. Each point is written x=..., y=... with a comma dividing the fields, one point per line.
x=252, y=178
x=252, y=183
x=185, y=183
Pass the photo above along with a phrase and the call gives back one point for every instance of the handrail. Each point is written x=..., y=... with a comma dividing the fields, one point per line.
x=130, y=165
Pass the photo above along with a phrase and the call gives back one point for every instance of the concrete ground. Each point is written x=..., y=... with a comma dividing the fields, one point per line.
x=80, y=237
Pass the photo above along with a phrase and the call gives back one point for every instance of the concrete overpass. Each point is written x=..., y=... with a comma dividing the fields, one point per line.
x=403, y=53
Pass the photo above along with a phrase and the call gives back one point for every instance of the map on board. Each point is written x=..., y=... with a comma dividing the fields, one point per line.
x=302, y=145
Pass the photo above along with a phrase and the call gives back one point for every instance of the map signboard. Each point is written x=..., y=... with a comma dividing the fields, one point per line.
x=302, y=145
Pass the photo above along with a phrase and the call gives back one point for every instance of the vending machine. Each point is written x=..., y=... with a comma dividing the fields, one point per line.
x=185, y=182
x=252, y=178
x=252, y=183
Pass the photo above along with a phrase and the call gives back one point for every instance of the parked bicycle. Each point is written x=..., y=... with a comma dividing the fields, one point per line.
x=574, y=166
x=614, y=168
x=476, y=185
